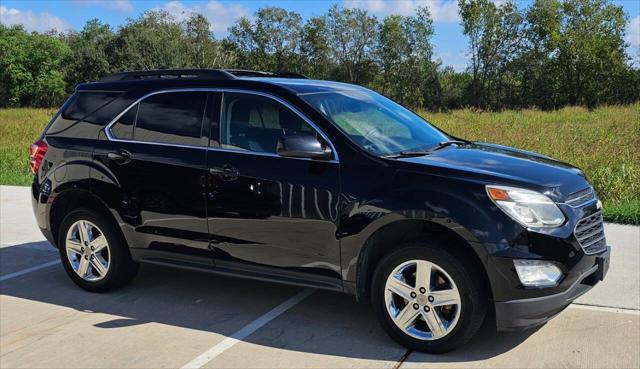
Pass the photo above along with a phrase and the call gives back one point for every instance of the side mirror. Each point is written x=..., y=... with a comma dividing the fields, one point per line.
x=302, y=146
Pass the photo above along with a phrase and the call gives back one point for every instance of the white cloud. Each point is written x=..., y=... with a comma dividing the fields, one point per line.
x=124, y=6
x=31, y=21
x=441, y=10
x=633, y=32
x=220, y=15
x=373, y=6
x=444, y=11
x=500, y=2
x=458, y=60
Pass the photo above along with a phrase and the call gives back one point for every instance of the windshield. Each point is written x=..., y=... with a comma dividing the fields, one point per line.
x=374, y=122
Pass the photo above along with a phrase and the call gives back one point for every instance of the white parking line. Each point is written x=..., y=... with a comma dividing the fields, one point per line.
x=247, y=330
x=32, y=245
x=606, y=309
x=28, y=270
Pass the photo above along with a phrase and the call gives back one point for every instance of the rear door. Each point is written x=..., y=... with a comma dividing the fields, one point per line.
x=156, y=154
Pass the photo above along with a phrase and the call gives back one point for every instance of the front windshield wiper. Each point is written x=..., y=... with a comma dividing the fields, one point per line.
x=410, y=153
x=447, y=143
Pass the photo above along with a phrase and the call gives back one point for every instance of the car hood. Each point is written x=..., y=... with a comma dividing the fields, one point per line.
x=504, y=164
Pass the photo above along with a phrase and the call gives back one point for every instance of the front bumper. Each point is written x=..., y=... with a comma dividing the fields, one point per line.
x=522, y=314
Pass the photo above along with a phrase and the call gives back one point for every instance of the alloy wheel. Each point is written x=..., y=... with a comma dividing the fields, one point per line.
x=422, y=300
x=87, y=250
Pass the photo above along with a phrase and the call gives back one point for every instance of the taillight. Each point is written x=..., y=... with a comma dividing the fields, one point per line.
x=36, y=154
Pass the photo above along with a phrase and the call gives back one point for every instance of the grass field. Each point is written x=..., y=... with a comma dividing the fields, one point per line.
x=603, y=142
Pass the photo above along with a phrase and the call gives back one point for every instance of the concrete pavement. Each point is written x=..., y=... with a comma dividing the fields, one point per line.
x=168, y=318
x=621, y=288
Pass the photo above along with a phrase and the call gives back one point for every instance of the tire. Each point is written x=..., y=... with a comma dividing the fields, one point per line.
x=463, y=319
x=117, y=267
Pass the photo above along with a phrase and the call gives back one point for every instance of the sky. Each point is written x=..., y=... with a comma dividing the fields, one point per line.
x=450, y=45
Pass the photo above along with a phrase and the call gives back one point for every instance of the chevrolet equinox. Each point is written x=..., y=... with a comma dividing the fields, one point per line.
x=314, y=183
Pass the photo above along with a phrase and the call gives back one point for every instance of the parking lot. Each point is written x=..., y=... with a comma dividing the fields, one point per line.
x=176, y=318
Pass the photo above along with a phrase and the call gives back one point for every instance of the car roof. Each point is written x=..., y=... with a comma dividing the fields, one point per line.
x=305, y=86
x=213, y=78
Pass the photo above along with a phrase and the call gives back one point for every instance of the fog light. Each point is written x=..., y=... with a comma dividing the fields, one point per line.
x=537, y=273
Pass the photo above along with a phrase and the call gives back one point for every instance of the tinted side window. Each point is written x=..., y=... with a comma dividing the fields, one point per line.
x=172, y=118
x=86, y=103
x=256, y=123
x=83, y=106
x=123, y=128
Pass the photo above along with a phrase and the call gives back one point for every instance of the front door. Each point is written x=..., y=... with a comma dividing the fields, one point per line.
x=157, y=155
x=265, y=210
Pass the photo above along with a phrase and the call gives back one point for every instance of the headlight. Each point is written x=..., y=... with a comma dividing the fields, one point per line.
x=529, y=208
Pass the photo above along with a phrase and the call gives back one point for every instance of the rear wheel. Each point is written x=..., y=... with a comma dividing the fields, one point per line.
x=93, y=251
x=427, y=299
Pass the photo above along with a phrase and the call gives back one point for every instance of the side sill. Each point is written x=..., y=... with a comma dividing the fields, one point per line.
x=260, y=273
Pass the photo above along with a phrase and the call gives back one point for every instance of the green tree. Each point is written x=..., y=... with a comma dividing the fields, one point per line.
x=549, y=54
x=30, y=68
x=88, y=59
x=204, y=50
x=539, y=72
x=351, y=36
x=404, y=52
x=495, y=38
x=271, y=41
x=153, y=41
x=200, y=40
x=591, y=51
x=453, y=88
x=575, y=54
x=316, y=58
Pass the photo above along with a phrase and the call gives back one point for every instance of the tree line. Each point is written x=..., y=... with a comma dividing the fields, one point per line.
x=547, y=55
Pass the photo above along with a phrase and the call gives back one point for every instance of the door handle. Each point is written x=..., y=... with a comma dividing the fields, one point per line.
x=227, y=172
x=120, y=156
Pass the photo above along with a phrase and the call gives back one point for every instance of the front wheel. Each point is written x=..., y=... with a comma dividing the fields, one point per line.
x=427, y=299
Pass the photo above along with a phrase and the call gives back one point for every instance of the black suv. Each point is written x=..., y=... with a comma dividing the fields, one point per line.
x=314, y=183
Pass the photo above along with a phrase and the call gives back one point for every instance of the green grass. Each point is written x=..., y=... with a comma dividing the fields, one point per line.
x=603, y=142
x=19, y=128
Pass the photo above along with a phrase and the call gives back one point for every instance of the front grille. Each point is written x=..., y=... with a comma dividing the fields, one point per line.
x=589, y=232
x=581, y=197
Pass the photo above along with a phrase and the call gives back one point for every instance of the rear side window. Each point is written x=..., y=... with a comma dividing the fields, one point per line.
x=83, y=106
x=86, y=103
x=172, y=118
x=123, y=127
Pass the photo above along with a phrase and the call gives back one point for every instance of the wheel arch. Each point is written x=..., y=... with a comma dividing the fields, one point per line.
x=70, y=200
x=392, y=235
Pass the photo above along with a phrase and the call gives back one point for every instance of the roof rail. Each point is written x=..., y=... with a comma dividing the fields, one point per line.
x=257, y=73
x=214, y=74
x=169, y=73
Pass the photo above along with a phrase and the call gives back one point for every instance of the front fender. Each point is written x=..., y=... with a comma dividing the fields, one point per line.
x=460, y=206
